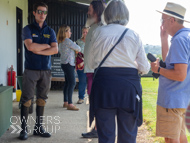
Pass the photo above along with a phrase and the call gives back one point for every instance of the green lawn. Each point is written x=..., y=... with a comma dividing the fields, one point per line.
x=150, y=89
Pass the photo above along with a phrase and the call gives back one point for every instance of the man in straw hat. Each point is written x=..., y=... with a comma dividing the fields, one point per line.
x=173, y=91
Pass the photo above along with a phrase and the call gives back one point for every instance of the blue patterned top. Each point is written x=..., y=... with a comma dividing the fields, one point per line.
x=67, y=50
x=81, y=44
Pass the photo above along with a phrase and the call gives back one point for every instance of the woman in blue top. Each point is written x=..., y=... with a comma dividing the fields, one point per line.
x=80, y=67
x=67, y=50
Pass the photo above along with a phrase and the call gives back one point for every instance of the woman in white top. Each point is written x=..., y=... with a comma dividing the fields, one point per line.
x=67, y=50
x=116, y=89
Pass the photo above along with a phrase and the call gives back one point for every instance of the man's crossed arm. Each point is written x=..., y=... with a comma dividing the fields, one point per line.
x=41, y=49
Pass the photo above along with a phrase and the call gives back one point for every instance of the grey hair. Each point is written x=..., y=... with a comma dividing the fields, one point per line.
x=179, y=21
x=116, y=12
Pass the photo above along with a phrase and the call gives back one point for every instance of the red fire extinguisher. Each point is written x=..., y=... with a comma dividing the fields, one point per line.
x=11, y=74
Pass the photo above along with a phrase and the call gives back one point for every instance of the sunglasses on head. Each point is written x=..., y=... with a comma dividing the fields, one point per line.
x=40, y=12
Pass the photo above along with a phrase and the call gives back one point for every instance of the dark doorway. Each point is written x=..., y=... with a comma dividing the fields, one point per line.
x=19, y=50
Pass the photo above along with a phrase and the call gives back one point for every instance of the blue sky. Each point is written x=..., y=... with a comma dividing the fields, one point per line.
x=146, y=21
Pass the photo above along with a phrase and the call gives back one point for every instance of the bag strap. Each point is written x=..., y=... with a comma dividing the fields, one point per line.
x=109, y=52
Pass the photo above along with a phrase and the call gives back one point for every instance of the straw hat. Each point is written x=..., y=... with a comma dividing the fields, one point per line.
x=174, y=10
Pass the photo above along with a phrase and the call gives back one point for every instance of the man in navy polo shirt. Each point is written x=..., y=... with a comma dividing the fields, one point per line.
x=40, y=43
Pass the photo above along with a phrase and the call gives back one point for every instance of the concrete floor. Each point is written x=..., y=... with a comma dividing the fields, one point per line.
x=64, y=125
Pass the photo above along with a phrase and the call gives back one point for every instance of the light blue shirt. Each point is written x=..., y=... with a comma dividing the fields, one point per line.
x=67, y=50
x=176, y=94
x=81, y=44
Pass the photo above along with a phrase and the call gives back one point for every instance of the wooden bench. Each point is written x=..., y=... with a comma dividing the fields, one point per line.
x=61, y=79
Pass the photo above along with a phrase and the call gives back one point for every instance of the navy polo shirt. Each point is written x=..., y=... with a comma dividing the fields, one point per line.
x=44, y=35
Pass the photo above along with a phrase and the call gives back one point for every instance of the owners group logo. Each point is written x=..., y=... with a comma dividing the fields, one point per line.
x=51, y=124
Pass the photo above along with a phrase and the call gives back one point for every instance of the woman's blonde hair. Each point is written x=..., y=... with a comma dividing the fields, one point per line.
x=84, y=29
x=61, y=35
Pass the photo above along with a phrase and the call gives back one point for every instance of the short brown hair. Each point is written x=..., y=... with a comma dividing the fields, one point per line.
x=36, y=5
